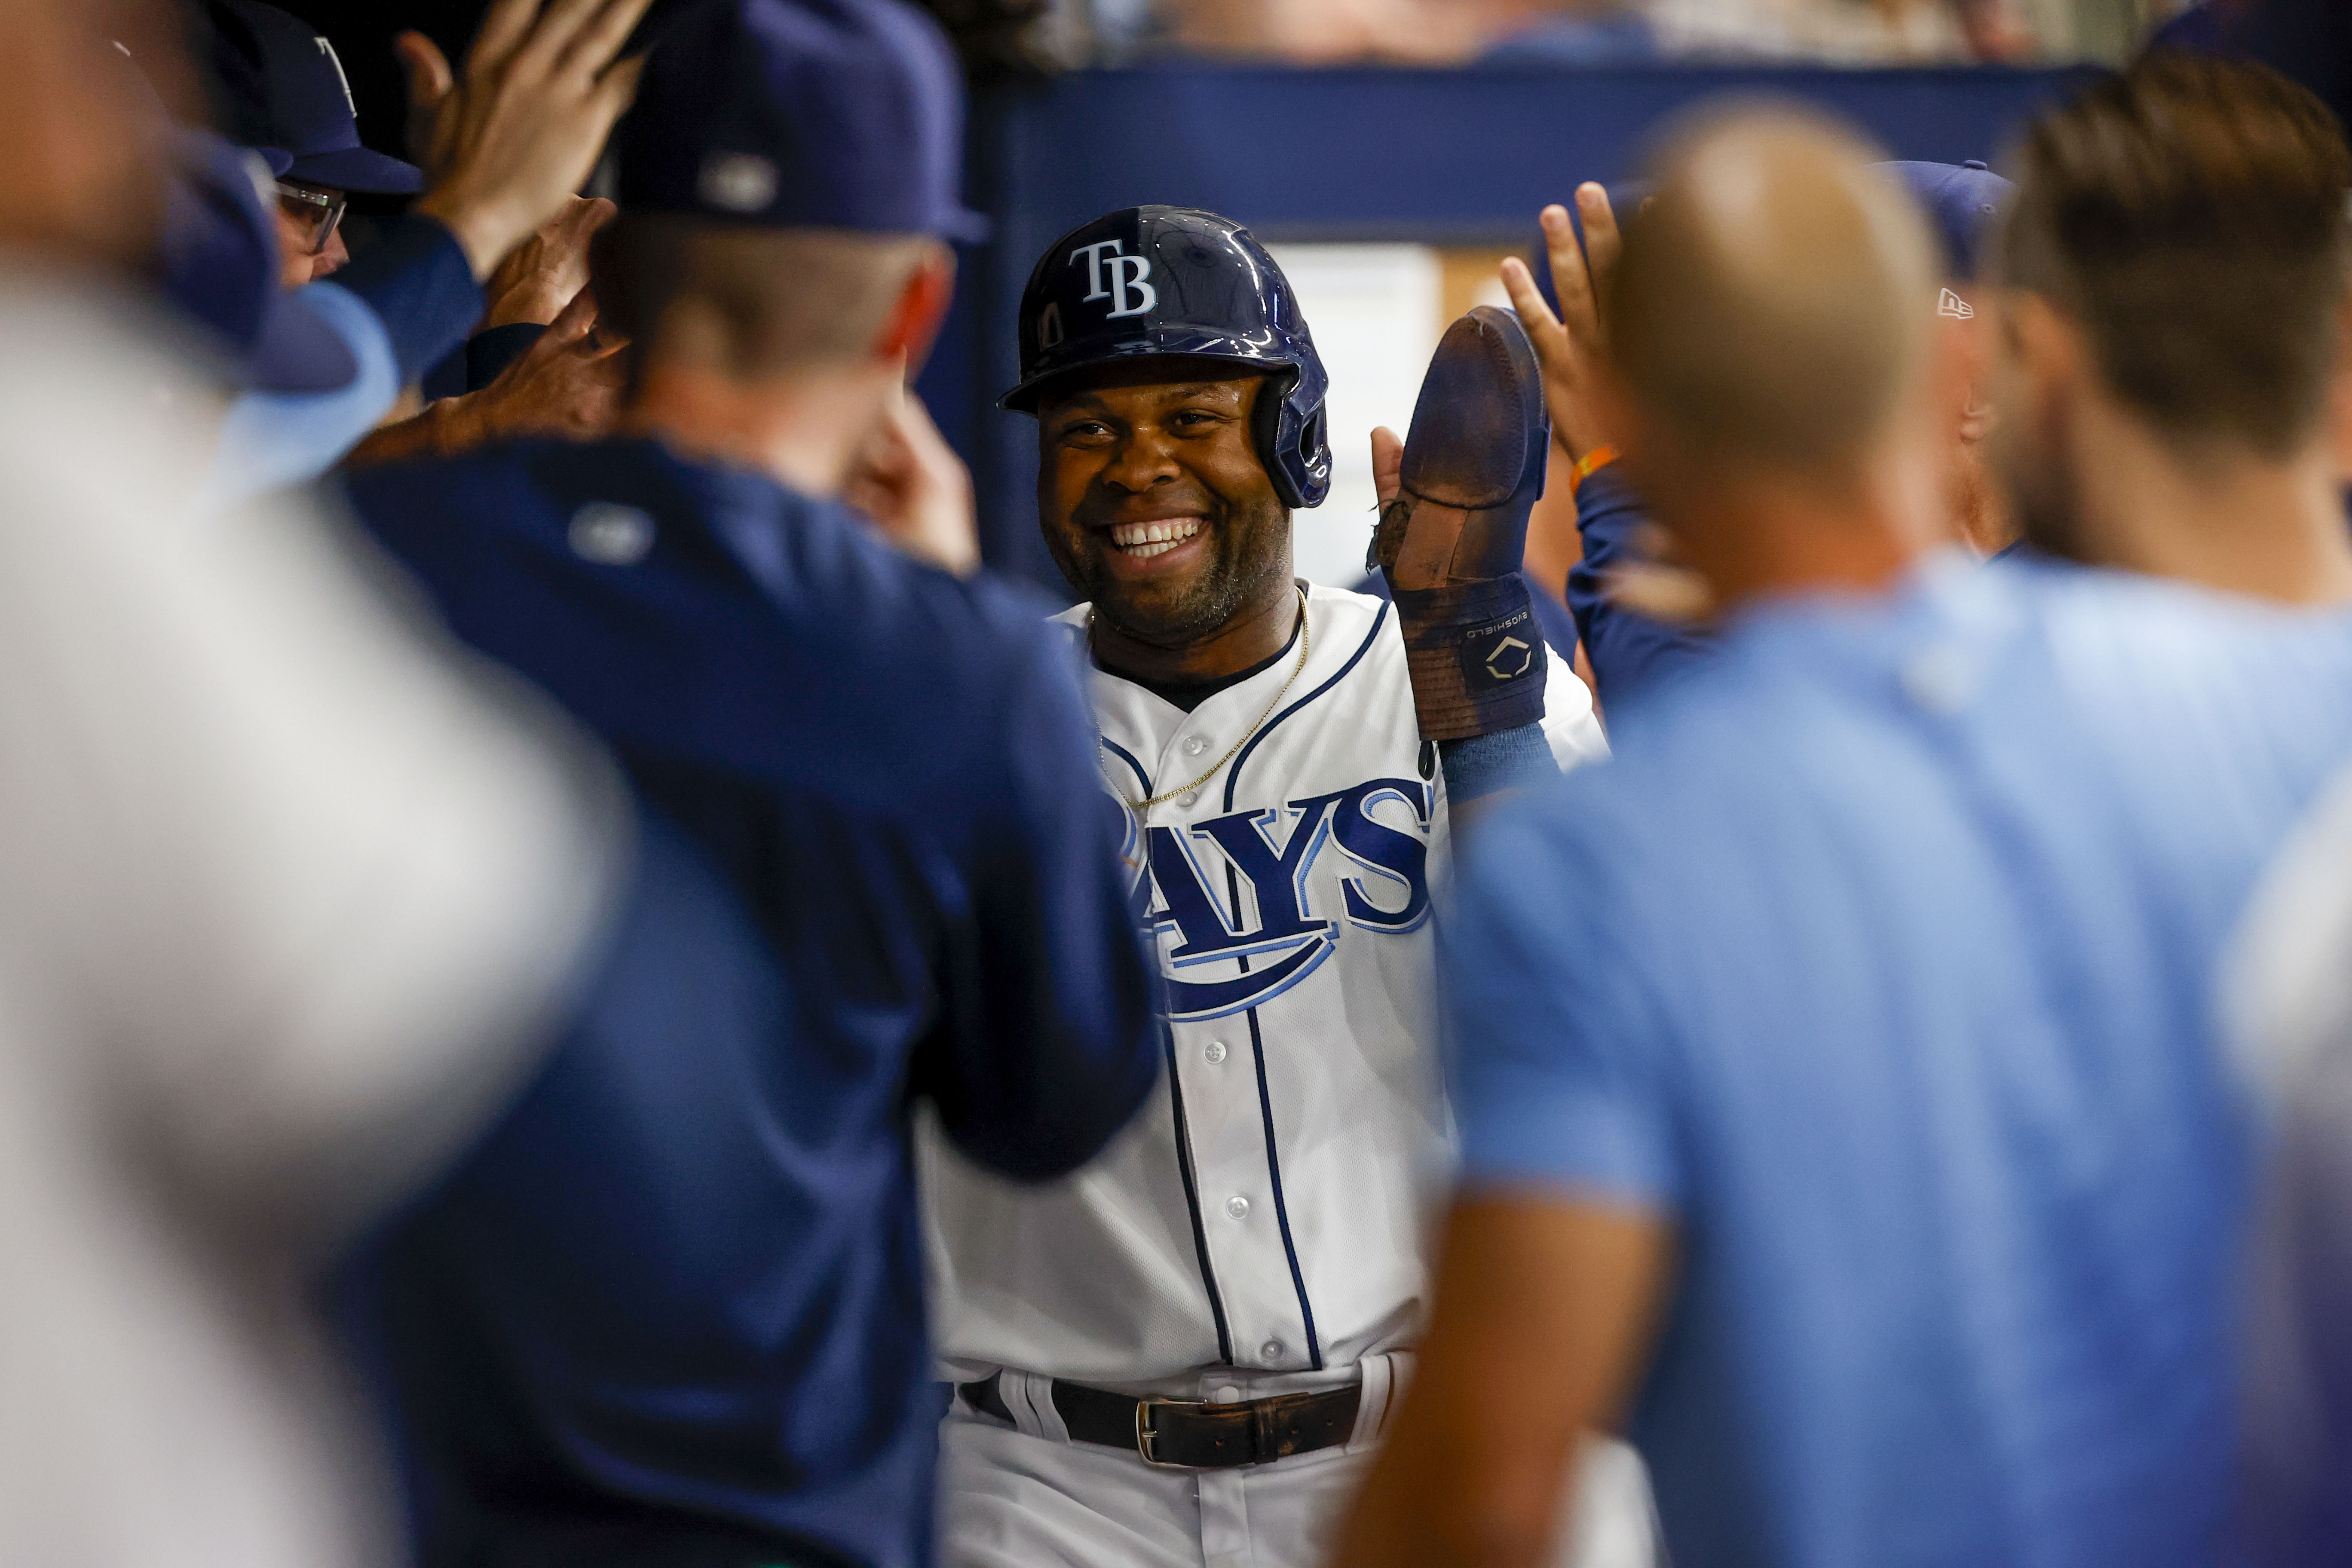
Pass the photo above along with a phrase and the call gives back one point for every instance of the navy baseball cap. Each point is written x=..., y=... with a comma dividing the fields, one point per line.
x=286, y=88
x=1625, y=199
x=1962, y=201
x=841, y=114
x=148, y=105
x=218, y=261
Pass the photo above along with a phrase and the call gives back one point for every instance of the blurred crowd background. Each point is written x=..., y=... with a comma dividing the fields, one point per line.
x=1029, y=38
x=1444, y=32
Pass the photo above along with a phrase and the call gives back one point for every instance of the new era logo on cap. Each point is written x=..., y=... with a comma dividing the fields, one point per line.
x=1950, y=304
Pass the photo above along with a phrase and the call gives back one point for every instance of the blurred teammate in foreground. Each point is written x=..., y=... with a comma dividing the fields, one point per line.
x=2291, y=1009
x=280, y=895
x=1839, y=1101
x=671, y=1312
x=2161, y=193
x=2172, y=283
x=1188, y=1351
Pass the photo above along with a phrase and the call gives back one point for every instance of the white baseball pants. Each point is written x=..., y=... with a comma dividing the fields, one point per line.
x=1018, y=1497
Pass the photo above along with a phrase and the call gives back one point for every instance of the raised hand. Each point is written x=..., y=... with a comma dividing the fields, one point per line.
x=1571, y=345
x=915, y=490
x=518, y=131
x=568, y=386
x=547, y=271
x=430, y=83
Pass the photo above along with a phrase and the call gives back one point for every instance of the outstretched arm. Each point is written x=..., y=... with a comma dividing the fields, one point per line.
x=1544, y=1307
x=1556, y=1260
x=1051, y=1040
x=1637, y=615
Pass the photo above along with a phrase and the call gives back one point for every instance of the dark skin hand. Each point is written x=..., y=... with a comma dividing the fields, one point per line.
x=1162, y=448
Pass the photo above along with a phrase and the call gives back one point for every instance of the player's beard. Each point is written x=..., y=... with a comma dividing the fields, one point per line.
x=1247, y=552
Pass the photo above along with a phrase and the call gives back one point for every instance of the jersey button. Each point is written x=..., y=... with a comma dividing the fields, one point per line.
x=1228, y=1395
x=1189, y=798
x=1270, y=1351
x=1237, y=1208
x=1215, y=1052
x=1195, y=744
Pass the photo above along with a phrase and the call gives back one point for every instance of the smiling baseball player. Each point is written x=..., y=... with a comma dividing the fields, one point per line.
x=1182, y=1354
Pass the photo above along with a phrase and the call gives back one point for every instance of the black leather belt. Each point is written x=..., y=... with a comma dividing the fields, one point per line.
x=1190, y=1433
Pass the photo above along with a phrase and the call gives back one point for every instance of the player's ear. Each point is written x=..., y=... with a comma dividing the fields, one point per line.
x=913, y=324
x=2044, y=349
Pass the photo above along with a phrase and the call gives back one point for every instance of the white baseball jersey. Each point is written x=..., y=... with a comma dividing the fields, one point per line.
x=1270, y=1207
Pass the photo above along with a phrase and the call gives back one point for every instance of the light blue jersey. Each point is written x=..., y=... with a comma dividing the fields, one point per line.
x=1881, y=960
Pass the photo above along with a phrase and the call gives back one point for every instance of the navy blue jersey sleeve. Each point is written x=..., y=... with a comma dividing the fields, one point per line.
x=418, y=283
x=1628, y=649
x=1052, y=1042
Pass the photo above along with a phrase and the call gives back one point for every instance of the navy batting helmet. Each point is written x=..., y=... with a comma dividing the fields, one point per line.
x=1150, y=281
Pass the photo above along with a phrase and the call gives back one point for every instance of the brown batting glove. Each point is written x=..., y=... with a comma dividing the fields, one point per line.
x=1451, y=540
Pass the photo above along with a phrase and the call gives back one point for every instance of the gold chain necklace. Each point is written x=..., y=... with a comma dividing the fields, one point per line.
x=1141, y=807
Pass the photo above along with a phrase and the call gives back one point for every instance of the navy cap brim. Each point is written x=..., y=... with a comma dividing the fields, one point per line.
x=298, y=352
x=358, y=169
x=278, y=158
x=1175, y=341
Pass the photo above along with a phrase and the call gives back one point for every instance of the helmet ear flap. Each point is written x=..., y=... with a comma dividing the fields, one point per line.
x=1270, y=425
x=1313, y=455
x=1293, y=449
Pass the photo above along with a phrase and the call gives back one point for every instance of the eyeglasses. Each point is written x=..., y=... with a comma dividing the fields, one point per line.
x=317, y=213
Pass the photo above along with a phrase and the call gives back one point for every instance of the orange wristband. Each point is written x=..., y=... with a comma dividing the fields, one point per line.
x=1587, y=466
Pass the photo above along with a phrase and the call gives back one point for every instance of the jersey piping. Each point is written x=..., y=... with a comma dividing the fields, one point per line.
x=1234, y=778
x=1124, y=755
x=1183, y=1128
x=1281, y=1210
x=1192, y=1197
x=1257, y=1041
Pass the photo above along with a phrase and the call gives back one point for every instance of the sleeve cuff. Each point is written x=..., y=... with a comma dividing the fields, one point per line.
x=1601, y=503
x=490, y=354
x=1528, y=1133
x=1489, y=764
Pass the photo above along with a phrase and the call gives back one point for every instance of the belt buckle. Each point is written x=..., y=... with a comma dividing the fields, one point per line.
x=1146, y=1439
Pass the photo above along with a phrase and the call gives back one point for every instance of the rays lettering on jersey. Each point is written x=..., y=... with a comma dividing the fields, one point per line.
x=1263, y=858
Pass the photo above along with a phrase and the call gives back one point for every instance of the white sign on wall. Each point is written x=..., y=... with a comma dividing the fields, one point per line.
x=1374, y=311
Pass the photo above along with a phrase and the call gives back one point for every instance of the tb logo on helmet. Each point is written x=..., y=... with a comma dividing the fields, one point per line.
x=1125, y=273
x=1187, y=284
